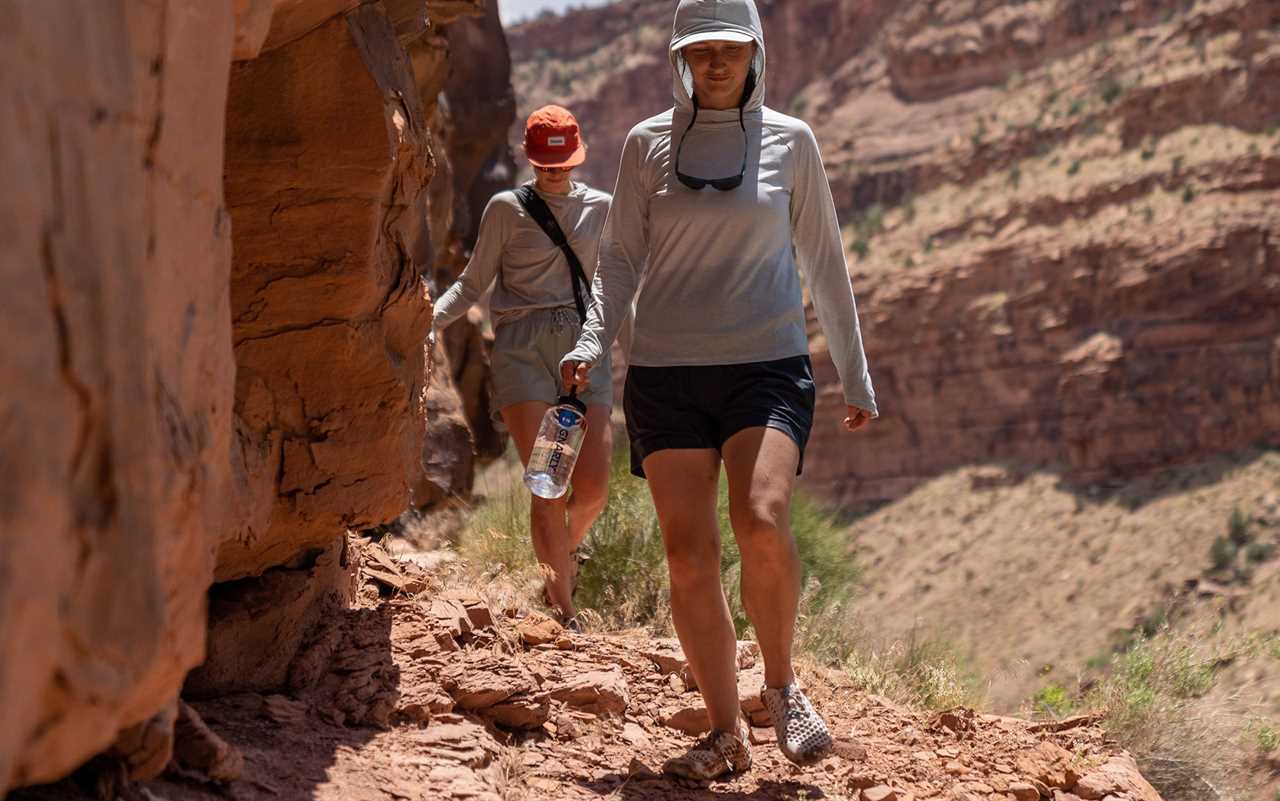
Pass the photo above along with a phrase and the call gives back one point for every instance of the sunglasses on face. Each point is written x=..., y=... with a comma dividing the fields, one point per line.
x=722, y=184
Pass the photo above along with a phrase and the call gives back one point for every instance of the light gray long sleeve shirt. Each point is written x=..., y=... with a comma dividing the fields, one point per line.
x=531, y=272
x=714, y=274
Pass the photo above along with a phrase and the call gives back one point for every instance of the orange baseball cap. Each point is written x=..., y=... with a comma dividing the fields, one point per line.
x=552, y=138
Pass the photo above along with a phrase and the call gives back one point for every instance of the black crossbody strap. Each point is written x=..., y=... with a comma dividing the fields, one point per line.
x=541, y=213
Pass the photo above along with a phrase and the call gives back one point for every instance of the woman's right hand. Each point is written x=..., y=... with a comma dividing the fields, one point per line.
x=575, y=374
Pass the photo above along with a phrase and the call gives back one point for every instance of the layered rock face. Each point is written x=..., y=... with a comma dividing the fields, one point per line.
x=1058, y=216
x=118, y=372
x=327, y=158
x=177, y=415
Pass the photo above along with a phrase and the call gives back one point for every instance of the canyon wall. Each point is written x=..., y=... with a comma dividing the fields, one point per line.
x=116, y=418
x=217, y=219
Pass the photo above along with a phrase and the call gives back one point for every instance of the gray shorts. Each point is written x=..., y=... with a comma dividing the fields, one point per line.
x=526, y=360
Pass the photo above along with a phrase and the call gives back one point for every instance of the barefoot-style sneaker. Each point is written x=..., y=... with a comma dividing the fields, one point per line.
x=715, y=755
x=802, y=735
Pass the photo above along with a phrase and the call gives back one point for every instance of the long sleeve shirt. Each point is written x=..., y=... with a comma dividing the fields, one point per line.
x=716, y=272
x=513, y=251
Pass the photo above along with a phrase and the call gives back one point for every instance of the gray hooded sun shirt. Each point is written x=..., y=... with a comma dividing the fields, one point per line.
x=714, y=274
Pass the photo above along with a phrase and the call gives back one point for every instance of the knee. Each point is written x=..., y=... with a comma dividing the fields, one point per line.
x=760, y=521
x=692, y=562
x=543, y=511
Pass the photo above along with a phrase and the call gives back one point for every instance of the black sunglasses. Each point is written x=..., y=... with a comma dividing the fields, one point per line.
x=723, y=184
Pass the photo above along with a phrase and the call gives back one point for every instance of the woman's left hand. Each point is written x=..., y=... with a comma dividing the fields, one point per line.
x=857, y=418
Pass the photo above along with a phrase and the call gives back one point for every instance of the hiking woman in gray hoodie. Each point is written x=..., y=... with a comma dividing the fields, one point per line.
x=718, y=201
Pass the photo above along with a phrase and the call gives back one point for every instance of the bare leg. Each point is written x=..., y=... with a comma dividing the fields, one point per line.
x=684, y=485
x=547, y=519
x=761, y=466
x=591, y=475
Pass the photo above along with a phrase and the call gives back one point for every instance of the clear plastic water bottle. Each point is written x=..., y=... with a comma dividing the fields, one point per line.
x=555, y=451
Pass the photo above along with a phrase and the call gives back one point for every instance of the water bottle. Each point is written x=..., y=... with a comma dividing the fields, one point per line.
x=555, y=451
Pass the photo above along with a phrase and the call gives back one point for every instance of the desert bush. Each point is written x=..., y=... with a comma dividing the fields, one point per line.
x=1222, y=553
x=1052, y=701
x=928, y=673
x=1238, y=527
x=1256, y=552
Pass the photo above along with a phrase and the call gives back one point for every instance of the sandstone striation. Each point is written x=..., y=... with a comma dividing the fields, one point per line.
x=118, y=369
x=179, y=415
x=329, y=315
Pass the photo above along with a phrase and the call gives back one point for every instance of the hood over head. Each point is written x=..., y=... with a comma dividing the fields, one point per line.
x=706, y=20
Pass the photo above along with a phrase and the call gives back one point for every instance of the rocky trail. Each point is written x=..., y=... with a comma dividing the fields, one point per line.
x=421, y=692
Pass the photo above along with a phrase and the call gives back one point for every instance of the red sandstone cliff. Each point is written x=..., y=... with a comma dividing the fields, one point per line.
x=216, y=218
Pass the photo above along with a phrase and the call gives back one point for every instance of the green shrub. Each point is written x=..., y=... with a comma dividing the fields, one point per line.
x=928, y=673
x=1075, y=167
x=1222, y=554
x=1111, y=89
x=1256, y=552
x=1052, y=701
x=1188, y=193
x=1150, y=688
x=1238, y=527
x=1268, y=738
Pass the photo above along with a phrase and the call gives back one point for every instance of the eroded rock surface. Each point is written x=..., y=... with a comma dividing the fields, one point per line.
x=117, y=366
x=327, y=158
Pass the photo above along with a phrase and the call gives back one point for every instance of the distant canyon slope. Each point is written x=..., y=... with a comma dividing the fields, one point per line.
x=1060, y=216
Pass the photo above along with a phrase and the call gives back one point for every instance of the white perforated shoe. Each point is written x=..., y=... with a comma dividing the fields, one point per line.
x=802, y=734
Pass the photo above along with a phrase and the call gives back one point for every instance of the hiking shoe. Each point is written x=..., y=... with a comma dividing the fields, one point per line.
x=802, y=735
x=715, y=755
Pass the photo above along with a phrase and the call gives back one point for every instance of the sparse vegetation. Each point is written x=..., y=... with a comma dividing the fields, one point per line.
x=927, y=673
x=1111, y=89
x=1238, y=527
x=1188, y=193
x=1222, y=554
x=864, y=227
x=1256, y=552
x=625, y=584
x=1052, y=701
x=1267, y=738
x=1075, y=167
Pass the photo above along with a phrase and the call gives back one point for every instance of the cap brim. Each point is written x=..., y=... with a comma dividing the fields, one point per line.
x=572, y=160
x=722, y=35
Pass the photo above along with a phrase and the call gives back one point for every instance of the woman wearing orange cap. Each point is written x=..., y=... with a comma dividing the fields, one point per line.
x=537, y=313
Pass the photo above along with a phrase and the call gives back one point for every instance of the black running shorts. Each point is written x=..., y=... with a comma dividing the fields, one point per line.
x=702, y=406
